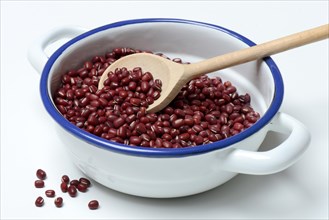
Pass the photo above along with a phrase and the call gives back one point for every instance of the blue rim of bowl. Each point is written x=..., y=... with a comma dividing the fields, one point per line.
x=159, y=152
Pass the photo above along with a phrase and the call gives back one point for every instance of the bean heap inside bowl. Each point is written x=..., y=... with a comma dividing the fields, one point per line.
x=206, y=109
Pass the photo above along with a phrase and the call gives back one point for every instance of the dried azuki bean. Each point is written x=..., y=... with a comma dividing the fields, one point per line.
x=238, y=126
x=147, y=77
x=74, y=182
x=198, y=140
x=167, y=144
x=65, y=179
x=178, y=123
x=58, y=202
x=50, y=193
x=118, y=122
x=85, y=181
x=211, y=119
x=72, y=190
x=135, y=101
x=41, y=174
x=64, y=187
x=82, y=187
x=205, y=110
x=39, y=183
x=135, y=140
x=93, y=204
x=39, y=201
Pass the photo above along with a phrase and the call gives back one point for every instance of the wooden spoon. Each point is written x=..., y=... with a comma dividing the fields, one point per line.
x=174, y=75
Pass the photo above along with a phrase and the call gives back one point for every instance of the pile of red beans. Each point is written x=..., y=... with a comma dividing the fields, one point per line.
x=206, y=109
x=71, y=187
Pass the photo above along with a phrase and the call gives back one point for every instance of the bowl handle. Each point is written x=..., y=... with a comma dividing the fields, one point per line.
x=36, y=52
x=275, y=160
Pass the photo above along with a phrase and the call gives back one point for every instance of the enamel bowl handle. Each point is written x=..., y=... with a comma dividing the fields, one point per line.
x=36, y=53
x=275, y=160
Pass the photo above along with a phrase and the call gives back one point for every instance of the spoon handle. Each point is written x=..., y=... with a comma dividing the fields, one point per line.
x=258, y=51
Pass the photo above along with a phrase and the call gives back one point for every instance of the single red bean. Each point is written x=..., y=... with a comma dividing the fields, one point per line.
x=88, y=65
x=158, y=143
x=211, y=119
x=193, y=137
x=62, y=109
x=72, y=190
x=167, y=144
x=184, y=136
x=158, y=130
x=135, y=140
x=145, y=86
x=82, y=187
x=95, y=103
x=169, y=110
x=147, y=77
x=85, y=181
x=204, y=124
x=198, y=140
x=172, y=118
x=166, y=137
x=176, y=145
x=84, y=102
x=93, y=204
x=215, y=128
x=123, y=94
x=118, y=122
x=145, y=120
x=184, y=129
x=231, y=89
x=238, y=126
x=121, y=132
x=197, y=128
x=152, y=143
x=50, y=193
x=58, y=202
x=223, y=119
x=39, y=183
x=61, y=93
x=145, y=137
x=151, y=134
x=140, y=128
x=41, y=174
x=132, y=86
x=178, y=123
x=74, y=182
x=92, y=97
x=39, y=201
x=70, y=94
x=180, y=113
x=135, y=101
x=212, y=137
x=117, y=139
x=188, y=112
x=145, y=144
x=65, y=179
x=203, y=133
x=191, y=131
x=155, y=95
x=64, y=187
x=239, y=119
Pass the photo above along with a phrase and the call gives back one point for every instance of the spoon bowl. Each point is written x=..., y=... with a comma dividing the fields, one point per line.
x=171, y=74
x=174, y=76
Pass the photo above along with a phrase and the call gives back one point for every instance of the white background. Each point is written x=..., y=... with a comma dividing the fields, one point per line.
x=29, y=141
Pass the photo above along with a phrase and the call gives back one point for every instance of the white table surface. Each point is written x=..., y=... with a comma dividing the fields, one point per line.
x=29, y=141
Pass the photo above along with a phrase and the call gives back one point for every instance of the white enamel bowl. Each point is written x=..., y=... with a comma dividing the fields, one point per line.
x=165, y=173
